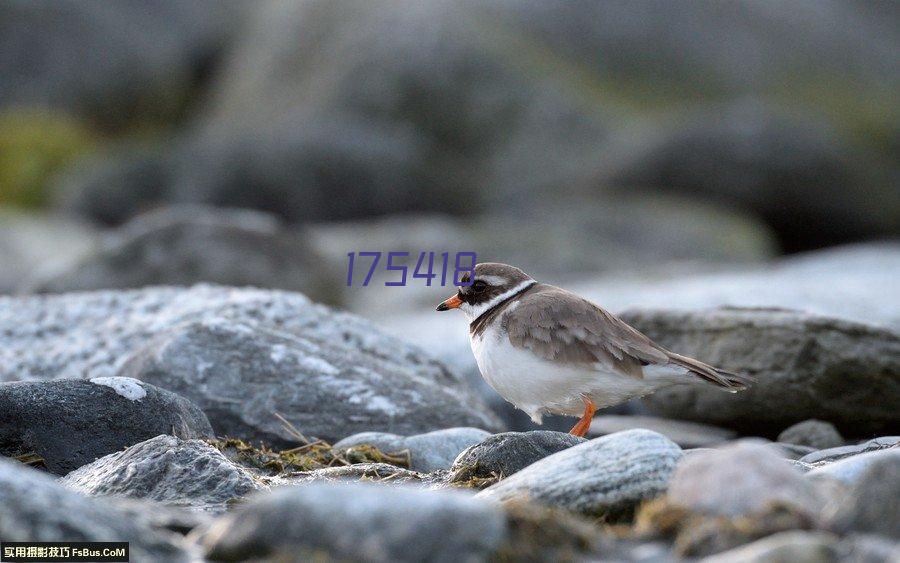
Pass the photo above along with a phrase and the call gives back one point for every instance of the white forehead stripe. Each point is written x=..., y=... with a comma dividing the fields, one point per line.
x=492, y=280
x=473, y=311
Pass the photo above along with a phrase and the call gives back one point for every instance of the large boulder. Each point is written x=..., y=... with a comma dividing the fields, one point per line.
x=797, y=175
x=134, y=61
x=191, y=244
x=71, y=423
x=247, y=376
x=35, y=508
x=166, y=469
x=242, y=355
x=807, y=366
x=358, y=522
x=609, y=475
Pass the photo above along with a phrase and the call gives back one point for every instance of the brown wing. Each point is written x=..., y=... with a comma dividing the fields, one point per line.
x=558, y=325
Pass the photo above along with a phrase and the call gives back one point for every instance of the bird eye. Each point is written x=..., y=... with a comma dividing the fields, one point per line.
x=479, y=286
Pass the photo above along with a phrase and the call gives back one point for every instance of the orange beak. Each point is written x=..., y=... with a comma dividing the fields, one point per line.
x=452, y=302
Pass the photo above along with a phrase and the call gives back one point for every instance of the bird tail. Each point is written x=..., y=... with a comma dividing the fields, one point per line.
x=728, y=380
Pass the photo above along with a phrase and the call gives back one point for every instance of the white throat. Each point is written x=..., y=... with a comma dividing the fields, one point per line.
x=472, y=312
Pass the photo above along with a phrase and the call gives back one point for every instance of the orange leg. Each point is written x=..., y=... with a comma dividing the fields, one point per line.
x=584, y=424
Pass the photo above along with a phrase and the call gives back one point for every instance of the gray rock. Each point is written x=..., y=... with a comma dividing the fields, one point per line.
x=835, y=454
x=870, y=503
x=72, y=423
x=358, y=522
x=797, y=174
x=816, y=434
x=167, y=470
x=242, y=374
x=32, y=243
x=241, y=354
x=807, y=366
x=685, y=434
x=503, y=454
x=427, y=452
x=190, y=244
x=33, y=507
x=135, y=63
x=324, y=142
x=608, y=475
x=793, y=546
x=851, y=469
x=740, y=479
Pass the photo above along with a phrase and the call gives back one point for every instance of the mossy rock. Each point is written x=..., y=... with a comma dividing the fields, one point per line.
x=34, y=146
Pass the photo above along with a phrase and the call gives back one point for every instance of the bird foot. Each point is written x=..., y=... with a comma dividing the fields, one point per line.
x=584, y=423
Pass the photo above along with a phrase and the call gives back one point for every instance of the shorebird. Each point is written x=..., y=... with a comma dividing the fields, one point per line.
x=549, y=351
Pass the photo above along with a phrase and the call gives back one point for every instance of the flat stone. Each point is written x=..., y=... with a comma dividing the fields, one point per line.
x=685, y=434
x=608, y=475
x=166, y=469
x=427, y=452
x=70, y=423
x=35, y=508
x=502, y=455
x=359, y=521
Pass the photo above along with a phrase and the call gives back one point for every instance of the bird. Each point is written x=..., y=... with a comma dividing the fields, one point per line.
x=547, y=350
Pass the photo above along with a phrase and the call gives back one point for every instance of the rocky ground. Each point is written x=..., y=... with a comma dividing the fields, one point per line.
x=243, y=424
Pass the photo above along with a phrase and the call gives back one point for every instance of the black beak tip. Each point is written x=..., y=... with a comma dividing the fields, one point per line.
x=442, y=307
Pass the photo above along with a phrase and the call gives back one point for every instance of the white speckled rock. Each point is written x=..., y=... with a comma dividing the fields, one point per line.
x=34, y=507
x=740, y=478
x=358, y=522
x=427, y=452
x=608, y=475
x=241, y=355
x=168, y=470
x=70, y=423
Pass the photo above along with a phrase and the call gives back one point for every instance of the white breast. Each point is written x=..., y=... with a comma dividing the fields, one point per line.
x=539, y=386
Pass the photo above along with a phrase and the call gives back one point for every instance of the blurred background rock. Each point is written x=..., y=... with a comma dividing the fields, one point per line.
x=661, y=153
